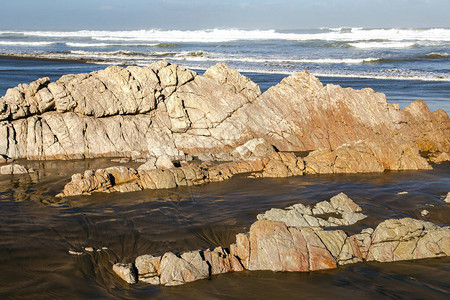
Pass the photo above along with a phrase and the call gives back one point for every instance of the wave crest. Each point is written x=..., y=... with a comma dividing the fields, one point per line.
x=228, y=35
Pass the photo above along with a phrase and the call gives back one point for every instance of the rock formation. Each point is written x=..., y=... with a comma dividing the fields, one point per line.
x=299, y=215
x=15, y=169
x=281, y=240
x=164, y=109
x=447, y=198
x=256, y=157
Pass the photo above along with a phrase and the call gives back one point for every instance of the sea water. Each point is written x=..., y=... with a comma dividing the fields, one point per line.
x=406, y=64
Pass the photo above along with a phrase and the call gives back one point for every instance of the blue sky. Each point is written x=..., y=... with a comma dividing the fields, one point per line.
x=202, y=14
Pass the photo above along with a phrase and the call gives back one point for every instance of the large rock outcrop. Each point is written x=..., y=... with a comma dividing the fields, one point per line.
x=166, y=109
x=290, y=244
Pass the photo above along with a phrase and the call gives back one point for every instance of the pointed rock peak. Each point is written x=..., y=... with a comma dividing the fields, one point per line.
x=156, y=66
x=418, y=107
x=220, y=72
x=113, y=69
x=231, y=77
x=303, y=78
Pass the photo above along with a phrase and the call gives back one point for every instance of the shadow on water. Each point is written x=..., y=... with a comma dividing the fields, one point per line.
x=37, y=230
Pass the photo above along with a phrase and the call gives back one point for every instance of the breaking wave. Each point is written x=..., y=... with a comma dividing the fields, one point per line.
x=201, y=55
x=228, y=35
x=436, y=55
x=382, y=45
x=100, y=45
x=26, y=44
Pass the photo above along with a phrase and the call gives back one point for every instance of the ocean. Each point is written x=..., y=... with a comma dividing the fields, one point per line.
x=37, y=229
x=406, y=64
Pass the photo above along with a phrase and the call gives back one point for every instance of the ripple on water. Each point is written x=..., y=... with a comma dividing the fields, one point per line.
x=38, y=230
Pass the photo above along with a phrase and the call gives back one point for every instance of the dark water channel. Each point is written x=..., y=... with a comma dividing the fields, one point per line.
x=37, y=230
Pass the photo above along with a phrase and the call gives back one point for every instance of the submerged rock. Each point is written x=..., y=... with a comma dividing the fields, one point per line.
x=424, y=213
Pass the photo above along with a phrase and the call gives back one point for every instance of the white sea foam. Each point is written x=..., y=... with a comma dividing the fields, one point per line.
x=201, y=55
x=26, y=44
x=99, y=45
x=227, y=35
x=418, y=77
x=278, y=60
x=382, y=45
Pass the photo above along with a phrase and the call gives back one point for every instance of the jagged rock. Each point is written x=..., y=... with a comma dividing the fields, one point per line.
x=370, y=155
x=147, y=265
x=15, y=169
x=165, y=109
x=447, y=198
x=164, y=162
x=122, y=179
x=231, y=78
x=299, y=215
x=176, y=270
x=274, y=246
x=363, y=240
x=218, y=260
x=439, y=157
x=241, y=249
x=406, y=239
x=341, y=202
x=150, y=164
x=126, y=272
x=255, y=148
x=283, y=165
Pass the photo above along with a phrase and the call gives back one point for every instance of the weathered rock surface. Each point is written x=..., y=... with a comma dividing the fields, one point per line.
x=370, y=155
x=15, y=169
x=407, y=239
x=274, y=246
x=175, y=270
x=126, y=272
x=123, y=179
x=164, y=109
x=288, y=246
x=299, y=215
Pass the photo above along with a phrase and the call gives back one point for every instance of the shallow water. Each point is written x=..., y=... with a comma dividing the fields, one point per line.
x=37, y=230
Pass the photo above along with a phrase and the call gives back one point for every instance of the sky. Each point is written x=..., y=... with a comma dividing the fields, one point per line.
x=203, y=14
